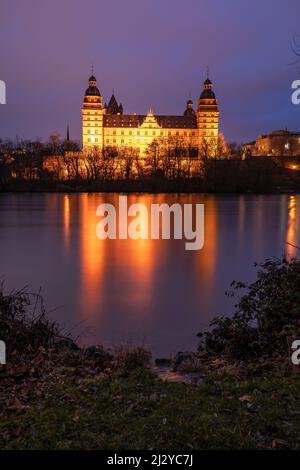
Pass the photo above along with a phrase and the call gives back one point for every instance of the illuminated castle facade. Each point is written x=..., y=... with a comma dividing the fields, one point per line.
x=107, y=126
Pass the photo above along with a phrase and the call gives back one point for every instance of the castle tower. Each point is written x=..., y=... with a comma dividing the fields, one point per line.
x=189, y=109
x=92, y=116
x=208, y=115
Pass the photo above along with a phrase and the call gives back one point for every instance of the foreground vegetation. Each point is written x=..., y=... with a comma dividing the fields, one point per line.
x=54, y=395
x=77, y=407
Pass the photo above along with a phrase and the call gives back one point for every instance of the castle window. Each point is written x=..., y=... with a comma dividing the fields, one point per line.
x=89, y=139
x=153, y=133
x=130, y=132
x=107, y=141
x=114, y=132
x=96, y=140
x=146, y=132
x=138, y=133
x=122, y=132
x=122, y=141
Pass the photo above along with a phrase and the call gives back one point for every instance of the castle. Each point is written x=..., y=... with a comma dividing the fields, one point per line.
x=106, y=126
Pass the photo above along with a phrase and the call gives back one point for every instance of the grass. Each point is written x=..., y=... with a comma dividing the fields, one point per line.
x=133, y=409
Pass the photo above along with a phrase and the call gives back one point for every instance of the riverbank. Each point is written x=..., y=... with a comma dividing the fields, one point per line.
x=121, y=404
x=55, y=395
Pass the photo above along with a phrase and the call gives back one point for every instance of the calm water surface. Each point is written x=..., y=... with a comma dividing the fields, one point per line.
x=151, y=293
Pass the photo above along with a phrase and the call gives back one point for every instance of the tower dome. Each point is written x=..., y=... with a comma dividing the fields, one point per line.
x=207, y=83
x=189, y=108
x=207, y=93
x=92, y=90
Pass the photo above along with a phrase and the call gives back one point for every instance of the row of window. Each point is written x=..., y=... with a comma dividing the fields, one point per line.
x=155, y=133
x=193, y=134
x=114, y=141
x=169, y=124
x=146, y=133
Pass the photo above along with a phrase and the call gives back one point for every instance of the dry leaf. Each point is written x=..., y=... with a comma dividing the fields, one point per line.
x=278, y=443
x=247, y=398
x=218, y=363
x=18, y=406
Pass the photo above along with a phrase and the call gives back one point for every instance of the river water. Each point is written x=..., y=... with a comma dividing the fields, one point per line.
x=152, y=293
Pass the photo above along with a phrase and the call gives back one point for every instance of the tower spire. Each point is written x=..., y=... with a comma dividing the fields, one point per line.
x=68, y=133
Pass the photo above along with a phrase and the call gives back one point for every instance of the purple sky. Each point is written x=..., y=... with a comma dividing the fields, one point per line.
x=153, y=54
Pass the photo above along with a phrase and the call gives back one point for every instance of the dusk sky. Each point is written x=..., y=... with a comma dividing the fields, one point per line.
x=153, y=54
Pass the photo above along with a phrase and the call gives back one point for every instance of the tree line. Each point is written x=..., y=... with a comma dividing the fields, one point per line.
x=171, y=158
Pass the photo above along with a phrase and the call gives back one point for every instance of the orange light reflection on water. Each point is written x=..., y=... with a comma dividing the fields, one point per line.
x=92, y=257
x=67, y=220
x=292, y=226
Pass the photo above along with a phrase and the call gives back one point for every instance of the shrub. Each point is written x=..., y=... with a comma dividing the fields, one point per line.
x=266, y=318
x=24, y=326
